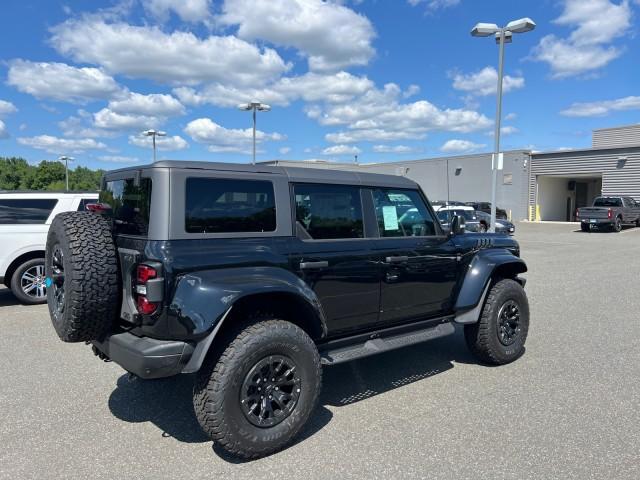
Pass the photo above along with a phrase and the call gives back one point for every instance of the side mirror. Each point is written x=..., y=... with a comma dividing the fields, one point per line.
x=457, y=225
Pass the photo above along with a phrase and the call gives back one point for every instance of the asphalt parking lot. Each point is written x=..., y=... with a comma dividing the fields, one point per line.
x=570, y=408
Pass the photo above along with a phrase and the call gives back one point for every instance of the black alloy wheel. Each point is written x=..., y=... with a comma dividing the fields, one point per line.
x=509, y=323
x=270, y=391
x=56, y=281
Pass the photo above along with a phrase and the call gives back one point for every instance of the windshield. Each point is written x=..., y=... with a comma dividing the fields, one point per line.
x=607, y=202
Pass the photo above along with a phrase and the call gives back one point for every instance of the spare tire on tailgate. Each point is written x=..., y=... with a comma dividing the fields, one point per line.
x=83, y=292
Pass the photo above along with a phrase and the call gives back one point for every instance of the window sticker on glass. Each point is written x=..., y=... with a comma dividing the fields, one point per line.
x=390, y=217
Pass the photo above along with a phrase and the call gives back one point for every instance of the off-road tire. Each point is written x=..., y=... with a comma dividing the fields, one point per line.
x=16, y=286
x=482, y=337
x=217, y=389
x=585, y=227
x=91, y=298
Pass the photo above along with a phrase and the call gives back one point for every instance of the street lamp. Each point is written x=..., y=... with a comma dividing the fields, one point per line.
x=154, y=134
x=254, y=106
x=66, y=161
x=502, y=35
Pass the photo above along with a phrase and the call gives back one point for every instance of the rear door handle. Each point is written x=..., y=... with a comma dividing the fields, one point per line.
x=313, y=265
x=399, y=259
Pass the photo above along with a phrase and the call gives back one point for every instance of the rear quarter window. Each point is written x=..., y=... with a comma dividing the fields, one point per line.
x=26, y=211
x=214, y=205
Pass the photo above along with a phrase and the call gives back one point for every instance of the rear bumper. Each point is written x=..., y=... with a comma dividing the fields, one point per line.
x=597, y=221
x=146, y=357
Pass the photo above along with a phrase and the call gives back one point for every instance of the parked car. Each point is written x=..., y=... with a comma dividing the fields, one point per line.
x=446, y=214
x=486, y=207
x=438, y=204
x=502, y=226
x=24, y=222
x=254, y=277
x=609, y=212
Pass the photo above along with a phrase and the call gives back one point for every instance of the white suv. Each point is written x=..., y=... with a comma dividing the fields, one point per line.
x=24, y=223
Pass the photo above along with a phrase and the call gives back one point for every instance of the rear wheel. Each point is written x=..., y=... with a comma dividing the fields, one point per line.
x=617, y=225
x=255, y=397
x=585, y=227
x=499, y=336
x=28, y=282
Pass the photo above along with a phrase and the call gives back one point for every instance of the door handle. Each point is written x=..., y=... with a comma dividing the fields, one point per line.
x=313, y=265
x=399, y=259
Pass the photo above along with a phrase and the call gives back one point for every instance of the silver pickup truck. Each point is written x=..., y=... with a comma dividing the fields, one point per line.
x=611, y=213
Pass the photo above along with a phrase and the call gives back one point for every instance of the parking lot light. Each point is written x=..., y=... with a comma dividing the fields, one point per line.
x=254, y=106
x=502, y=35
x=154, y=133
x=66, y=160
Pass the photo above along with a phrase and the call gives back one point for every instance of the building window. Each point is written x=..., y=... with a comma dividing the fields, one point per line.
x=507, y=179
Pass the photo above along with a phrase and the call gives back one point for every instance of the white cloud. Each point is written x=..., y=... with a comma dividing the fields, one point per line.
x=188, y=10
x=118, y=159
x=597, y=24
x=411, y=91
x=435, y=4
x=175, y=142
x=81, y=127
x=331, y=35
x=221, y=139
x=152, y=105
x=311, y=87
x=6, y=108
x=58, y=145
x=510, y=116
x=485, y=82
x=393, y=149
x=3, y=130
x=379, y=116
x=109, y=120
x=460, y=146
x=602, y=108
x=341, y=150
x=177, y=57
x=60, y=81
x=284, y=150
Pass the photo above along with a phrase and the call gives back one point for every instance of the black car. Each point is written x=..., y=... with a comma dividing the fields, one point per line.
x=254, y=277
x=486, y=207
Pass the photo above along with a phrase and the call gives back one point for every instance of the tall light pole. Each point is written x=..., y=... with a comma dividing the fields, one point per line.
x=254, y=106
x=154, y=134
x=502, y=35
x=66, y=161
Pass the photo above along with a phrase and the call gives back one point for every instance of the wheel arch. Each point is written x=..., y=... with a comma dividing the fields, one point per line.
x=16, y=262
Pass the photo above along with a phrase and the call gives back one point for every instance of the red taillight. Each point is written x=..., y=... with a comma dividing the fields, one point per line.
x=610, y=213
x=145, y=306
x=577, y=213
x=98, y=207
x=145, y=272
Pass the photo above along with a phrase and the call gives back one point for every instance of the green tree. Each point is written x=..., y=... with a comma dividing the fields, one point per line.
x=17, y=174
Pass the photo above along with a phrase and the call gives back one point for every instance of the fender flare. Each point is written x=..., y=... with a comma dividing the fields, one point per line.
x=203, y=300
x=476, y=282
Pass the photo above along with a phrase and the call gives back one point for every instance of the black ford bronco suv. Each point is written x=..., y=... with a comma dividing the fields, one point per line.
x=253, y=277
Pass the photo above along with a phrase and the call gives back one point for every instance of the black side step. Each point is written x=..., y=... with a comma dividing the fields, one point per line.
x=334, y=354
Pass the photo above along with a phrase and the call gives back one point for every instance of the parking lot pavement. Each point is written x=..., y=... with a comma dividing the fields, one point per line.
x=570, y=408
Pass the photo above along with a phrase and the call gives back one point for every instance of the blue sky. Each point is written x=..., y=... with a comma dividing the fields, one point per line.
x=383, y=79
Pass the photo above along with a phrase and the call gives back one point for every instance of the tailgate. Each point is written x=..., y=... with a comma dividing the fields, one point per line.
x=593, y=212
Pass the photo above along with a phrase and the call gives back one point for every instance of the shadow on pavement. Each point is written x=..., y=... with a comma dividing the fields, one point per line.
x=7, y=298
x=167, y=402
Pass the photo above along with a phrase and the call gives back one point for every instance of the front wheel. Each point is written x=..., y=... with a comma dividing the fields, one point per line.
x=255, y=397
x=499, y=336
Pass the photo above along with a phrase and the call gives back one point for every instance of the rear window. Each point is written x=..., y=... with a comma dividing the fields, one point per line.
x=130, y=205
x=26, y=211
x=214, y=205
x=607, y=202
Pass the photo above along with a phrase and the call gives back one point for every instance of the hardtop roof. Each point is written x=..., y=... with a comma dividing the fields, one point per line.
x=294, y=174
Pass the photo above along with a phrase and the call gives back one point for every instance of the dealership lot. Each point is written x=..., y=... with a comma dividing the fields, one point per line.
x=570, y=408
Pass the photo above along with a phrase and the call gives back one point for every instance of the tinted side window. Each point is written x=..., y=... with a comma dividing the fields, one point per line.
x=216, y=205
x=26, y=211
x=130, y=205
x=402, y=213
x=329, y=211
